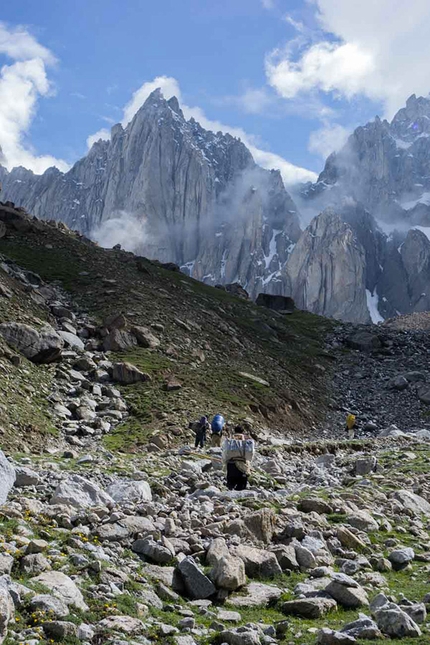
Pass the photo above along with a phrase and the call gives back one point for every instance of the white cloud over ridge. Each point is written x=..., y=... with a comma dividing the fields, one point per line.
x=21, y=85
x=330, y=138
x=170, y=87
x=374, y=49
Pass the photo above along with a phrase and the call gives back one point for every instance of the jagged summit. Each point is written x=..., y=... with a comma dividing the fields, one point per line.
x=181, y=193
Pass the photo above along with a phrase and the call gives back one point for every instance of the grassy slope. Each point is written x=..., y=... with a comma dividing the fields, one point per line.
x=212, y=337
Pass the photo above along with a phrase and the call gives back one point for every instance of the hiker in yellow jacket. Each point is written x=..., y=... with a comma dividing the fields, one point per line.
x=351, y=425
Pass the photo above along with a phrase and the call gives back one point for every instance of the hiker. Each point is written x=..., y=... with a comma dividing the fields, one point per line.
x=351, y=424
x=201, y=430
x=217, y=427
x=238, y=454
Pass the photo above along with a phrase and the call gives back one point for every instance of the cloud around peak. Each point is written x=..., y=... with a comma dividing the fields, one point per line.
x=170, y=87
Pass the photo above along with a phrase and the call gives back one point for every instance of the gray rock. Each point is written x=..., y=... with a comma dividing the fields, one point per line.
x=34, y=564
x=113, y=532
x=127, y=374
x=416, y=611
x=63, y=588
x=412, y=502
x=42, y=346
x=330, y=637
x=363, y=521
x=126, y=624
x=26, y=476
x=81, y=493
x=308, y=607
x=256, y=594
x=71, y=340
x=145, y=337
x=305, y=557
x=59, y=630
x=228, y=573
x=365, y=465
x=49, y=604
x=362, y=628
x=7, y=609
x=7, y=477
x=394, y=622
x=348, y=596
x=196, y=583
x=400, y=558
x=243, y=637
x=258, y=562
x=286, y=556
x=126, y=491
x=153, y=551
x=217, y=550
x=6, y=564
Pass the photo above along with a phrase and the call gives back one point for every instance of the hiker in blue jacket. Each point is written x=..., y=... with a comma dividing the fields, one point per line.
x=217, y=427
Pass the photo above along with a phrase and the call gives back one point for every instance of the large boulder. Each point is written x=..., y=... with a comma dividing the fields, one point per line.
x=42, y=346
x=81, y=493
x=283, y=304
x=7, y=477
x=328, y=636
x=197, y=585
x=218, y=549
x=62, y=587
x=127, y=374
x=118, y=340
x=364, y=341
x=396, y=623
x=412, y=502
x=347, y=592
x=26, y=477
x=145, y=337
x=261, y=524
x=258, y=562
x=228, y=573
x=308, y=607
x=154, y=551
x=7, y=609
x=256, y=594
x=126, y=491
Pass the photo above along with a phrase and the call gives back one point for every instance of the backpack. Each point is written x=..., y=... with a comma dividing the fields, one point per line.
x=217, y=424
x=238, y=449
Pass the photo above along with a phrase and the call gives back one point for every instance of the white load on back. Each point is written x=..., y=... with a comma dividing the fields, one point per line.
x=238, y=449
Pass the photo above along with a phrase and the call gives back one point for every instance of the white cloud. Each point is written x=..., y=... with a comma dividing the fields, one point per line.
x=104, y=134
x=372, y=48
x=21, y=85
x=170, y=87
x=268, y=4
x=330, y=138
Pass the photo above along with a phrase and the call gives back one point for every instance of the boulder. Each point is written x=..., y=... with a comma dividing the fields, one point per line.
x=363, y=521
x=314, y=504
x=145, y=337
x=362, y=628
x=42, y=346
x=394, y=622
x=286, y=556
x=71, y=340
x=365, y=465
x=81, y=493
x=127, y=374
x=218, y=549
x=34, y=564
x=347, y=592
x=244, y=636
x=349, y=540
x=152, y=550
x=6, y=564
x=328, y=636
x=256, y=594
x=258, y=562
x=400, y=558
x=196, y=583
x=26, y=477
x=308, y=607
x=112, y=532
x=62, y=587
x=59, y=630
x=126, y=624
x=364, y=341
x=49, y=604
x=228, y=573
x=7, y=609
x=261, y=524
x=118, y=340
x=283, y=304
x=129, y=491
x=305, y=557
x=7, y=477
x=412, y=502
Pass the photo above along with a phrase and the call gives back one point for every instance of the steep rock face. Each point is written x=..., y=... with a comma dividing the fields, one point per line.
x=385, y=166
x=193, y=197
x=326, y=270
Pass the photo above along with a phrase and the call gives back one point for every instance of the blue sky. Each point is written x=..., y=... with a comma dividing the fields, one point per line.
x=296, y=76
